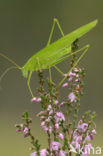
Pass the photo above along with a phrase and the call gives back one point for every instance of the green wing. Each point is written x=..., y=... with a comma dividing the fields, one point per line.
x=49, y=54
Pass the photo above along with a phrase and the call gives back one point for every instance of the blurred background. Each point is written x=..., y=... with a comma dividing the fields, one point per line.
x=24, y=29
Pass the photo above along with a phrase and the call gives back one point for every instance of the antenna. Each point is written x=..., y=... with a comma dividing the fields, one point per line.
x=7, y=58
x=6, y=71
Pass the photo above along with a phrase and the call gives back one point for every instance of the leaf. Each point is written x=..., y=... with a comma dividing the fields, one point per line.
x=26, y=115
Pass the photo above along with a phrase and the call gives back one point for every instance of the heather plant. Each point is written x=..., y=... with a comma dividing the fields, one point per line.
x=66, y=131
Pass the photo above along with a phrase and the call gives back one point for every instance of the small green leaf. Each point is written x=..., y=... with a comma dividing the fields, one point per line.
x=26, y=115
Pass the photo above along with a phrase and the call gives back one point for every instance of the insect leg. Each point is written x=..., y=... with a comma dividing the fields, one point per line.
x=58, y=70
x=55, y=21
x=28, y=84
x=65, y=57
x=50, y=74
x=86, y=49
x=58, y=24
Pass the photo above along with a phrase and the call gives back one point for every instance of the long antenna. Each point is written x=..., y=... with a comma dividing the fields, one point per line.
x=6, y=71
x=10, y=61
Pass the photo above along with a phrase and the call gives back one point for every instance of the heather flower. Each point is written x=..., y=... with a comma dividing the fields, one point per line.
x=50, y=129
x=61, y=136
x=76, y=69
x=51, y=112
x=57, y=126
x=88, y=138
x=26, y=135
x=56, y=102
x=75, y=144
x=59, y=116
x=77, y=80
x=61, y=104
x=47, y=120
x=64, y=75
x=86, y=149
x=94, y=131
x=26, y=130
x=72, y=74
x=38, y=100
x=82, y=126
x=54, y=146
x=42, y=117
x=62, y=153
x=19, y=127
x=43, y=152
x=42, y=124
x=72, y=97
x=70, y=79
x=49, y=107
x=33, y=99
x=45, y=128
x=33, y=154
x=18, y=130
x=65, y=85
x=40, y=113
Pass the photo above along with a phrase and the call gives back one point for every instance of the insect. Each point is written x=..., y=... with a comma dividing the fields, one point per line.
x=53, y=53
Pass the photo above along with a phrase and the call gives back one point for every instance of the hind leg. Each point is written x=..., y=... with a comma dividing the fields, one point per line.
x=28, y=84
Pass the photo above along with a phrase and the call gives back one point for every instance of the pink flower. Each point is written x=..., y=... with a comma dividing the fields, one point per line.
x=64, y=75
x=33, y=154
x=42, y=123
x=79, y=138
x=26, y=135
x=82, y=126
x=33, y=99
x=72, y=97
x=61, y=104
x=61, y=136
x=51, y=112
x=70, y=79
x=56, y=102
x=94, y=132
x=57, y=126
x=47, y=120
x=26, y=130
x=77, y=80
x=50, y=129
x=19, y=127
x=65, y=85
x=40, y=113
x=75, y=144
x=72, y=74
x=87, y=149
x=45, y=128
x=59, y=116
x=49, y=107
x=43, y=152
x=88, y=138
x=62, y=153
x=54, y=146
x=38, y=100
x=76, y=69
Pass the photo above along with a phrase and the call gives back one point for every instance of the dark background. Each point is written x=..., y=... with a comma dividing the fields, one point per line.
x=24, y=30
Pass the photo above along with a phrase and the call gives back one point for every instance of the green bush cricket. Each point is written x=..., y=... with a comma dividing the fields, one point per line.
x=53, y=53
